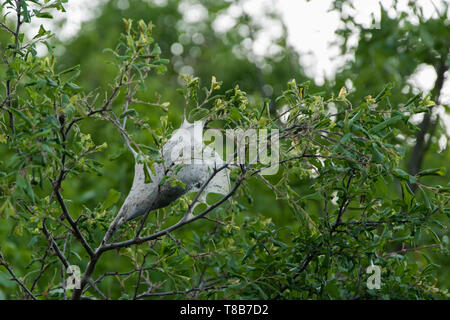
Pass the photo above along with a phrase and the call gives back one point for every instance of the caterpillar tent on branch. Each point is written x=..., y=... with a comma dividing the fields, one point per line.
x=187, y=165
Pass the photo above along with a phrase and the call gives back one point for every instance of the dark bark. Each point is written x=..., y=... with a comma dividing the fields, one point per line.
x=419, y=150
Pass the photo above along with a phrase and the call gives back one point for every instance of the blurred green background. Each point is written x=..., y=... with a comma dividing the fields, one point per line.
x=396, y=47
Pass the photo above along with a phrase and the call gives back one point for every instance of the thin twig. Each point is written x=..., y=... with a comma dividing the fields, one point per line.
x=15, y=278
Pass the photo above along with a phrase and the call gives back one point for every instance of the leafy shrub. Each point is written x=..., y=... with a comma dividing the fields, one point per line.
x=222, y=252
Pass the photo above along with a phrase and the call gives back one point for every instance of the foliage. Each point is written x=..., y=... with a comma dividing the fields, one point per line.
x=395, y=48
x=335, y=177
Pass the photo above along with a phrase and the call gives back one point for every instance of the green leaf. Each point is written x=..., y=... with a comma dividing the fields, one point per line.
x=156, y=50
x=378, y=157
x=433, y=172
x=249, y=252
x=279, y=243
x=399, y=173
x=10, y=73
x=384, y=93
x=380, y=186
x=74, y=68
x=73, y=86
x=50, y=82
x=385, y=123
x=129, y=112
x=42, y=133
x=235, y=114
x=313, y=196
x=413, y=99
x=33, y=241
x=161, y=61
x=45, y=15
x=346, y=137
x=148, y=178
x=426, y=198
x=407, y=194
x=260, y=290
x=355, y=118
x=24, y=184
x=198, y=114
x=22, y=115
x=41, y=32
x=25, y=12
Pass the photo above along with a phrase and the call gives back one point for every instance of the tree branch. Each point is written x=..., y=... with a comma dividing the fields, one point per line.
x=15, y=278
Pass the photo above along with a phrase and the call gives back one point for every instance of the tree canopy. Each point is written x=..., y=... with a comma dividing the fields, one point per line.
x=361, y=179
